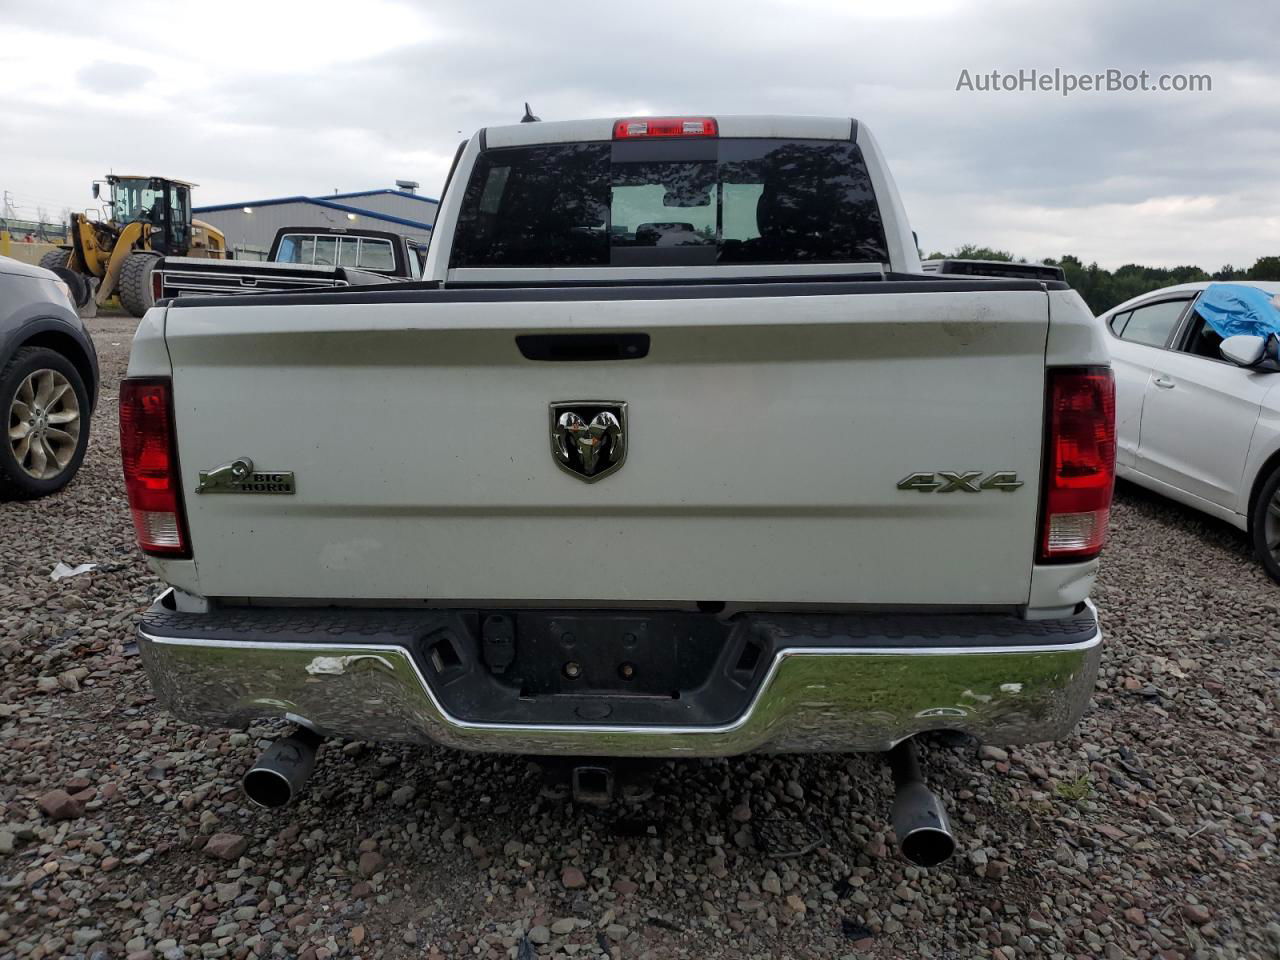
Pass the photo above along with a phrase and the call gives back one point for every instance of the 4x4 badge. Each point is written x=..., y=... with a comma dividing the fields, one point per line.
x=949, y=481
x=589, y=437
x=238, y=476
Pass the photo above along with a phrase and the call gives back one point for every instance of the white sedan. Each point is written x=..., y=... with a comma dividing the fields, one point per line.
x=1197, y=416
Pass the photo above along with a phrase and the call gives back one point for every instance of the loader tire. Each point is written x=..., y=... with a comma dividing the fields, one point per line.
x=134, y=287
x=55, y=259
x=77, y=283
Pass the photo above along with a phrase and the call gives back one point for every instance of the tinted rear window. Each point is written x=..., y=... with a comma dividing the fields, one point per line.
x=671, y=203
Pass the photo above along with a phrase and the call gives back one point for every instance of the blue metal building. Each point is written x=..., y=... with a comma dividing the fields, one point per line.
x=250, y=226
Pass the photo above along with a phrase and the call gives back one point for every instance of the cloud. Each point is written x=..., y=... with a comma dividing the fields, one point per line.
x=313, y=98
x=112, y=78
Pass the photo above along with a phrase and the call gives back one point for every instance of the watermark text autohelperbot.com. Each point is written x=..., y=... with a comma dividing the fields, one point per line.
x=1066, y=83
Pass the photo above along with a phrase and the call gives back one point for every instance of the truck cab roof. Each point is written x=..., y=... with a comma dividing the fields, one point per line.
x=602, y=128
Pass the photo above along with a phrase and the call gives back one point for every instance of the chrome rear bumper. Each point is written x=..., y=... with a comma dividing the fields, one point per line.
x=828, y=696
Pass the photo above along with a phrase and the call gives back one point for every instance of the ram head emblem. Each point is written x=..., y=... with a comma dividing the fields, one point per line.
x=589, y=438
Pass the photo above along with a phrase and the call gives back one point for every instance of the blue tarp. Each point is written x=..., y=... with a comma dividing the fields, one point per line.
x=1234, y=308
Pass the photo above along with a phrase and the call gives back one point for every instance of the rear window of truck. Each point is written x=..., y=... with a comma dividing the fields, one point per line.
x=364, y=253
x=671, y=203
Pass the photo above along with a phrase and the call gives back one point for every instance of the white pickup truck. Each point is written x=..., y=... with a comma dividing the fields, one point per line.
x=673, y=452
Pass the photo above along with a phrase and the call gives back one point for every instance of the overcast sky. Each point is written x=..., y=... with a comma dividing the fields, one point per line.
x=261, y=98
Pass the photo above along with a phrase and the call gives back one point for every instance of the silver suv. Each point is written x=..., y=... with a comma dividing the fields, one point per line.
x=48, y=382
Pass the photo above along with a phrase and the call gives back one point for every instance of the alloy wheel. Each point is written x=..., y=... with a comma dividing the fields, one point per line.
x=1271, y=526
x=44, y=424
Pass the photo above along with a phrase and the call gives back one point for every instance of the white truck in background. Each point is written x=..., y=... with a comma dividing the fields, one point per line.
x=300, y=258
x=673, y=452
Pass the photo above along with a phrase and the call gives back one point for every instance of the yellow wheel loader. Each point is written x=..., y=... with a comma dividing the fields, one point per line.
x=148, y=217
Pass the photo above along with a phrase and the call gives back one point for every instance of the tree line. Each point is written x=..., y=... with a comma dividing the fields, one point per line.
x=1102, y=289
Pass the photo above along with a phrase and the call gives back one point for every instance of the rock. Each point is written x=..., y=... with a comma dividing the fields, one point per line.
x=370, y=863
x=795, y=903
x=539, y=935
x=357, y=935
x=226, y=846
x=410, y=936
x=988, y=752
x=1136, y=917
x=6, y=842
x=572, y=878
x=1196, y=913
x=85, y=936
x=60, y=805
x=741, y=813
x=771, y=884
x=624, y=887
x=401, y=796
x=563, y=926
x=997, y=870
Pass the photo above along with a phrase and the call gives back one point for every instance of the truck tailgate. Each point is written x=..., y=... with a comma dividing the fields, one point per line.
x=767, y=434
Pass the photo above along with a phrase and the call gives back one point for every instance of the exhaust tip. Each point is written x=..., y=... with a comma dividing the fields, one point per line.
x=928, y=846
x=282, y=770
x=919, y=817
x=267, y=788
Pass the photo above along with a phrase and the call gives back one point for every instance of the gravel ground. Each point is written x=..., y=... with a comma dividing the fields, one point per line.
x=1151, y=832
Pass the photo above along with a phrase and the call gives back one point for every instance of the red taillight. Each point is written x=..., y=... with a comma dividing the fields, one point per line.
x=1080, y=462
x=637, y=127
x=150, y=456
x=157, y=285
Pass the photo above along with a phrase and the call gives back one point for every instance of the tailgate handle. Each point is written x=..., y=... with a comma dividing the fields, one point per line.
x=583, y=346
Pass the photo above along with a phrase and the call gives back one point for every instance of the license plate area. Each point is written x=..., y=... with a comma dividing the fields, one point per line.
x=619, y=656
x=574, y=667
